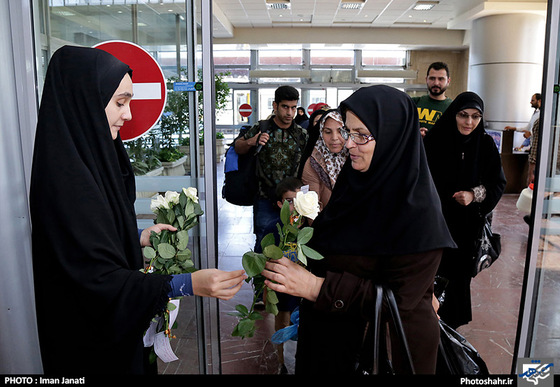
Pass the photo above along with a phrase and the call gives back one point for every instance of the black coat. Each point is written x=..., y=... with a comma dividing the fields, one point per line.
x=93, y=302
x=381, y=226
x=460, y=163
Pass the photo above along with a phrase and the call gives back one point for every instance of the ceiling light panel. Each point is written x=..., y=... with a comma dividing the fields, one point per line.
x=352, y=4
x=425, y=5
x=278, y=4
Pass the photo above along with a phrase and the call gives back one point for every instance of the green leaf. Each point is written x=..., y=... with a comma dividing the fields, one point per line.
x=242, y=309
x=285, y=213
x=273, y=252
x=301, y=256
x=271, y=296
x=267, y=240
x=304, y=235
x=161, y=217
x=183, y=199
x=310, y=253
x=189, y=208
x=166, y=251
x=198, y=210
x=171, y=306
x=174, y=269
x=184, y=255
x=154, y=239
x=253, y=263
x=170, y=216
x=245, y=328
x=255, y=316
x=271, y=308
x=149, y=252
x=280, y=231
x=183, y=239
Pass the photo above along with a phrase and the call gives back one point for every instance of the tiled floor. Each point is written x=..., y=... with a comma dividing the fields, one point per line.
x=495, y=294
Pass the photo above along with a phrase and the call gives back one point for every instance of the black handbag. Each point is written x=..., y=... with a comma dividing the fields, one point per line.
x=488, y=247
x=456, y=356
x=241, y=182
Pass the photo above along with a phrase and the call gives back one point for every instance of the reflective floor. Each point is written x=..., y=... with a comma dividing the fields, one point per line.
x=495, y=297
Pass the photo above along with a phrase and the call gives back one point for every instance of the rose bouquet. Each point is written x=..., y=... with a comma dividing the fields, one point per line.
x=293, y=237
x=169, y=254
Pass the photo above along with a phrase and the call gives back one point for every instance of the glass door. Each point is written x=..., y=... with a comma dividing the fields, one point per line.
x=539, y=325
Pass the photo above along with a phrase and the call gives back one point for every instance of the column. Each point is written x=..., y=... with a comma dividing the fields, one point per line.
x=506, y=62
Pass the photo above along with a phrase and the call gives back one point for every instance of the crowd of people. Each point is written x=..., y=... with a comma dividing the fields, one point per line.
x=403, y=186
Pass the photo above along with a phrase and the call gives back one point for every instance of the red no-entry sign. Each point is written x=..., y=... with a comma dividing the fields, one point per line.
x=311, y=108
x=150, y=93
x=245, y=110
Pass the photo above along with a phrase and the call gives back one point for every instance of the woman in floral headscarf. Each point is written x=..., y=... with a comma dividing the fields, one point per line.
x=327, y=158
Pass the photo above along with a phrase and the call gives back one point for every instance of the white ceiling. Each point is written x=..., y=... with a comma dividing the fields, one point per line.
x=455, y=14
x=306, y=22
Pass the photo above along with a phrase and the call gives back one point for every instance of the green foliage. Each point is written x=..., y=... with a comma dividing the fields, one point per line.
x=169, y=253
x=291, y=235
x=162, y=141
x=169, y=154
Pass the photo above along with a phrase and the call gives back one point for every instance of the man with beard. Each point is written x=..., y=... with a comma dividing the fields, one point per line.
x=531, y=134
x=432, y=105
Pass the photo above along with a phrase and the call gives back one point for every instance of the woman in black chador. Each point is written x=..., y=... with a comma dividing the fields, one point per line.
x=93, y=302
x=467, y=171
x=383, y=225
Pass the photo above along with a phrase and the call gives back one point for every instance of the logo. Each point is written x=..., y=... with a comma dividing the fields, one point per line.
x=535, y=372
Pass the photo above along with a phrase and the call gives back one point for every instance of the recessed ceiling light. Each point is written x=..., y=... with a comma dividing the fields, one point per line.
x=352, y=4
x=425, y=5
x=278, y=4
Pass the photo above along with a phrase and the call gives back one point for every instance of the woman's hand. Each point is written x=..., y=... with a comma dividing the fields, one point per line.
x=464, y=198
x=285, y=276
x=157, y=228
x=435, y=304
x=217, y=283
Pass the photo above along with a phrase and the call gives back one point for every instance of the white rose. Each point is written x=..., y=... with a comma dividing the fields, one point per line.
x=307, y=204
x=191, y=193
x=172, y=197
x=158, y=202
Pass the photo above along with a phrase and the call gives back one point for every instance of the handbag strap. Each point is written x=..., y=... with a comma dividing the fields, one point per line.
x=374, y=337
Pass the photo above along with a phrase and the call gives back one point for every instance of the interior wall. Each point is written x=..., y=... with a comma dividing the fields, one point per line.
x=426, y=37
x=457, y=61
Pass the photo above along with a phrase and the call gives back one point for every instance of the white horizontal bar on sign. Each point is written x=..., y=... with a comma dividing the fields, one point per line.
x=146, y=90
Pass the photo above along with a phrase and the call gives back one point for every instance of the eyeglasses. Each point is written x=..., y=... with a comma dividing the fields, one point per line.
x=465, y=116
x=358, y=138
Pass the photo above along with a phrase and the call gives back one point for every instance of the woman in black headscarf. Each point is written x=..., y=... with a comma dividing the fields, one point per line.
x=383, y=225
x=467, y=171
x=301, y=117
x=93, y=301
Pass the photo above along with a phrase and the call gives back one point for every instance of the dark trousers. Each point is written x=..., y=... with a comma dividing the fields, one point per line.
x=265, y=212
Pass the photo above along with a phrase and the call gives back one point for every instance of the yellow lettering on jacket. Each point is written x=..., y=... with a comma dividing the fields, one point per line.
x=426, y=114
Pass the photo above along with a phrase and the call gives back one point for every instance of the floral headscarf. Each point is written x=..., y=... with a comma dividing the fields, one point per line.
x=331, y=163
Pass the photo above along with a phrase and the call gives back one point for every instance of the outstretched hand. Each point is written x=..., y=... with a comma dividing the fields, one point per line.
x=217, y=283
